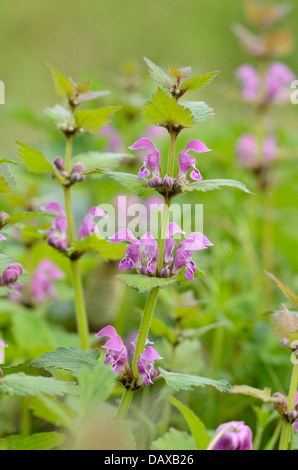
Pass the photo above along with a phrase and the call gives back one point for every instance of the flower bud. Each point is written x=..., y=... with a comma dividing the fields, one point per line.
x=59, y=163
x=293, y=414
x=155, y=182
x=165, y=272
x=143, y=271
x=76, y=177
x=168, y=182
x=79, y=167
x=284, y=343
x=64, y=174
x=11, y=274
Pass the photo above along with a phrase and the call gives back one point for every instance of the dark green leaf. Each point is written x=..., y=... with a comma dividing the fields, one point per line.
x=144, y=283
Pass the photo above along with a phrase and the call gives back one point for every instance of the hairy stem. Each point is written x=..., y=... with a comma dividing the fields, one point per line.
x=171, y=161
x=287, y=427
x=125, y=403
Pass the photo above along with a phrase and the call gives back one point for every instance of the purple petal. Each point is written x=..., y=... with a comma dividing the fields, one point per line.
x=54, y=207
x=196, y=146
x=195, y=241
x=148, y=240
x=123, y=235
x=2, y=237
x=150, y=354
x=172, y=229
x=114, y=344
x=250, y=79
x=108, y=331
x=152, y=160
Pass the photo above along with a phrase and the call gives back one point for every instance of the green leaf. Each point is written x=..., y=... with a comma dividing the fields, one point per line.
x=133, y=182
x=264, y=395
x=211, y=185
x=26, y=369
x=200, y=111
x=96, y=385
x=38, y=441
x=109, y=251
x=178, y=381
x=290, y=295
x=144, y=283
x=70, y=359
x=7, y=180
x=158, y=74
x=10, y=162
x=52, y=411
x=58, y=114
x=64, y=85
x=34, y=160
x=196, y=427
x=183, y=72
x=92, y=120
x=92, y=95
x=174, y=440
x=159, y=328
x=165, y=111
x=95, y=162
x=198, y=82
x=24, y=217
x=23, y=385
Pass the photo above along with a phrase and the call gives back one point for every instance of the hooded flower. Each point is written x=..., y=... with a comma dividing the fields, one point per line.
x=186, y=161
x=151, y=160
x=116, y=351
x=146, y=365
x=58, y=233
x=234, y=435
x=247, y=150
x=134, y=257
x=250, y=81
x=194, y=242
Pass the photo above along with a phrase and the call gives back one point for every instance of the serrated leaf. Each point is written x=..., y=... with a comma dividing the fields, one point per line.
x=92, y=95
x=92, y=120
x=7, y=180
x=64, y=85
x=26, y=369
x=109, y=251
x=264, y=395
x=33, y=159
x=178, y=381
x=211, y=185
x=144, y=283
x=200, y=111
x=158, y=74
x=196, y=426
x=52, y=411
x=290, y=295
x=71, y=359
x=94, y=162
x=174, y=440
x=23, y=385
x=165, y=111
x=285, y=325
x=133, y=182
x=198, y=82
x=37, y=441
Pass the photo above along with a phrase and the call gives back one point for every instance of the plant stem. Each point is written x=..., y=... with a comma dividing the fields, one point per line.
x=287, y=427
x=144, y=328
x=171, y=161
x=162, y=236
x=124, y=405
x=81, y=314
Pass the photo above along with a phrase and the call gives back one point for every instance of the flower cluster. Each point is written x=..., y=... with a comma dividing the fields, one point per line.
x=145, y=260
x=75, y=176
x=42, y=287
x=151, y=165
x=118, y=355
x=58, y=233
x=248, y=151
x=11, y=274
x=234, y=435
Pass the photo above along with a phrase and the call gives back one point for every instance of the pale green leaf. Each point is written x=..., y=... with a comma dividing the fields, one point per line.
x=92, y=120
x=70, y=359
x=165, y=111
x=52, y=411
x=23, y=385
x=211, y=185
x=200, y=111
x=174, y=440
x=196, y=427
x=7, y=180
x=178, y=381
x=264, y=395
x=33, y=159
x=158, y=74
x=290, y=295
x=96, y=385
x=95, y=162
x=38, y=441
x=24, y=217
x=133, y=182
x=64, y=85
x=159, y=328
x=92, y=95
x=145, y=283
x=58, y=114
x=109, y=251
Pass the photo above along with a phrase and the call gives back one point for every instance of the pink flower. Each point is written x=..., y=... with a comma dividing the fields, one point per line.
x=187, y=161
x=183, y=258
x=250, y=81
x=115, y=143
x=116, y=351
x=278, y=79
x=89, y=227
x=11, y=274
x=247, y=150
x=145, y=365
x=42, y=286
x=237, y=436
x=151, y=160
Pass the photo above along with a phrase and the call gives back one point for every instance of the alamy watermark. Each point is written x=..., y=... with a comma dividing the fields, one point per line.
x=2, y=92
x=294, y=94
